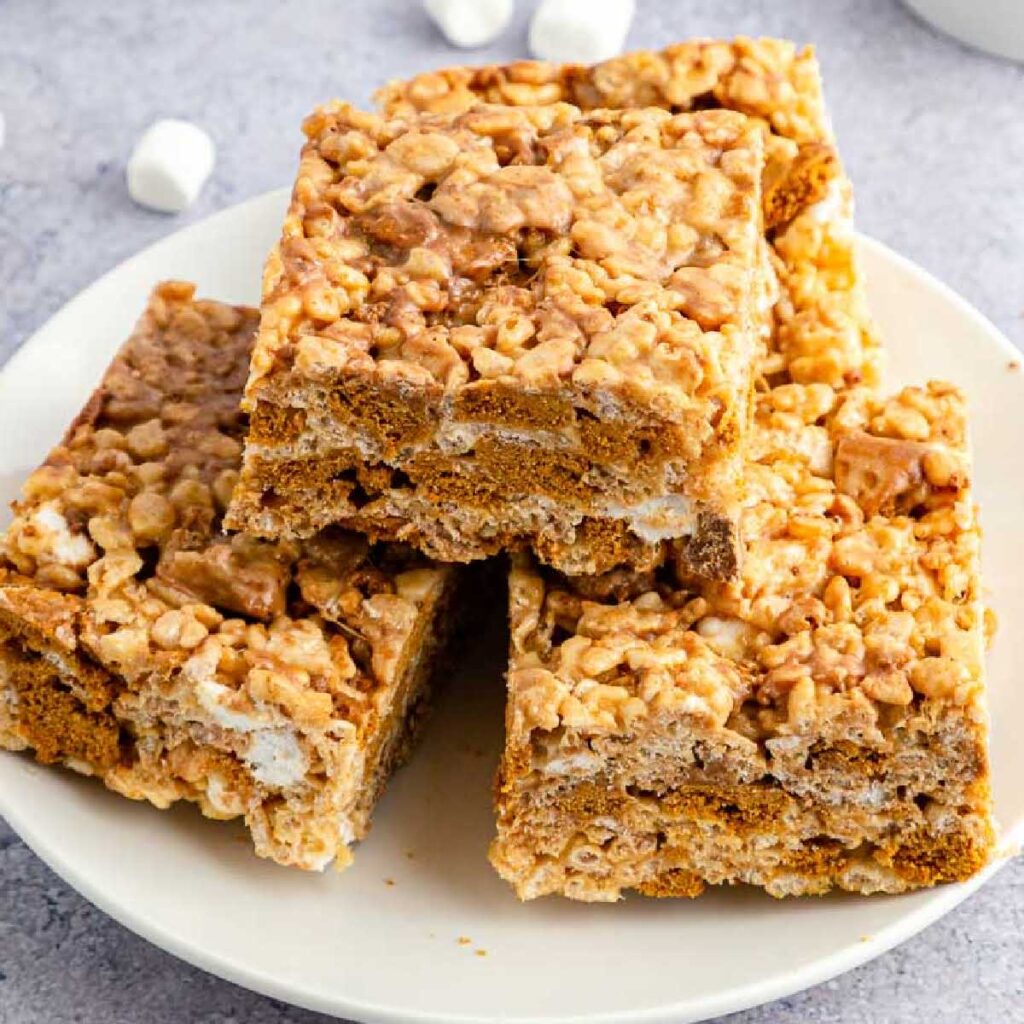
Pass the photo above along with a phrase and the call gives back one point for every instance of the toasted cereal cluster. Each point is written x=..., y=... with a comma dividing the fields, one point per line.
x=613, y=250
x=621, y=661
x=823, y=332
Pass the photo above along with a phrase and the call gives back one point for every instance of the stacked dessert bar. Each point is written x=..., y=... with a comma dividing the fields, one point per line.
x=513, y=326
x=818, y=719
x=608, y=320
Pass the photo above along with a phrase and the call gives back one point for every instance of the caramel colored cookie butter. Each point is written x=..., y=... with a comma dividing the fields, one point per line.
x=276, y=682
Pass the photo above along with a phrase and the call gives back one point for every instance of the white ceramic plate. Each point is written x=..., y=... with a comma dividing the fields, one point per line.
x=381, y=941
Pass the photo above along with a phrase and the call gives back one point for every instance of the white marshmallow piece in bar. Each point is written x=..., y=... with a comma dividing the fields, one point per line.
x=170, y=165
x=580, y=31
x=470, y=23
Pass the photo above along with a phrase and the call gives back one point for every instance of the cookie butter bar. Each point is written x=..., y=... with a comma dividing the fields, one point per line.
x=509, y=327
x=819, y=722
x=270, y=681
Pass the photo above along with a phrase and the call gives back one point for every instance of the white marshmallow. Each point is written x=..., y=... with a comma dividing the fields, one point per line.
x=169, y=165
x=276, y=759
x=469, y=23
x=580, y=31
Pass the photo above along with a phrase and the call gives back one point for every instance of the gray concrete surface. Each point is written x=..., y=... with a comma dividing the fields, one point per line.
x=933, y=135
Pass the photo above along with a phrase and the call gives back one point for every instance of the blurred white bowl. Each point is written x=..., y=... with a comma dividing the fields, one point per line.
x=993, y=25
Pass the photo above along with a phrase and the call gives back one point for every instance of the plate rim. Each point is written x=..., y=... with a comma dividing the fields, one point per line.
x=940, y=901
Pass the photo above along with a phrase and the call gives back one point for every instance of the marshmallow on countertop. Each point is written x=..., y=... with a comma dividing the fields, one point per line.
x=169, y=165
x=469, y=23
x=580, y=31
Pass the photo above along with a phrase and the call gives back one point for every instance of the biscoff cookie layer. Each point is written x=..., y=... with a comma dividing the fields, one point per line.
x=276, y=682
x=531, y=324
x=451, y=513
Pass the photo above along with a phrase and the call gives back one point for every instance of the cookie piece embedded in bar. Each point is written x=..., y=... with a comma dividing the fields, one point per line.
x=818, y=723
x=512, y=327
x=270, y=681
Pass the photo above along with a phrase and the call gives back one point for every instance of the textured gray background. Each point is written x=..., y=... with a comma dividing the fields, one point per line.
x=933, y=136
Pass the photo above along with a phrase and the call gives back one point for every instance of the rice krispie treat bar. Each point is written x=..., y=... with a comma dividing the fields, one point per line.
x=819, y=722
x=510, y=327
x=138, y=643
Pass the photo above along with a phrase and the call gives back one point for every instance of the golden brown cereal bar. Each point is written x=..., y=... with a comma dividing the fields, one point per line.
x=270, y=681
x=819, y=722
x=510, y=327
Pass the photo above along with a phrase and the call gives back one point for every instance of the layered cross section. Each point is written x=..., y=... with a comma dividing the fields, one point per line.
x=820, y=722
x=511, y=328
